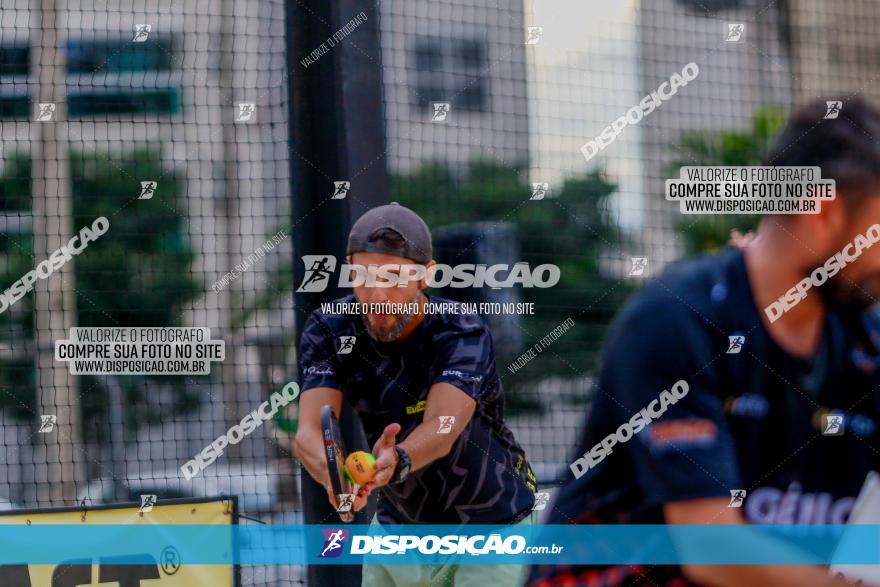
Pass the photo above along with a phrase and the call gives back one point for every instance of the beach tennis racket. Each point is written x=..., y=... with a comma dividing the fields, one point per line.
x=334, y=450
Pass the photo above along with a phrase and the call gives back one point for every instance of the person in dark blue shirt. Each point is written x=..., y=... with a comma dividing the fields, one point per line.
x=777, y=422
x=390, y=382
x=427, y=392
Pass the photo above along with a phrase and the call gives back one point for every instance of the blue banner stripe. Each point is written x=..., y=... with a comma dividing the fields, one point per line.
x=522, y=544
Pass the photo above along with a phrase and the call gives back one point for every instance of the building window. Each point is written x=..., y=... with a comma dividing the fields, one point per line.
x=118, y=77
x=14, y=64
x=123, y=101
x=429, y=55
x=471, y=97
x=15, y=60
x=15, y=107
x=105, y=77
x=450, y=70
x=95, y=56
x=469, y=55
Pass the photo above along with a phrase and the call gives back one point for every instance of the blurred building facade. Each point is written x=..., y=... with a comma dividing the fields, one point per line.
x=178, y=90
x=736, y=77
x=835, y=49
x=470, y=55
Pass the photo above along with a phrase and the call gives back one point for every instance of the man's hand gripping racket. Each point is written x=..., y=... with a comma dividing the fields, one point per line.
x=340, y=489
x=350, y=476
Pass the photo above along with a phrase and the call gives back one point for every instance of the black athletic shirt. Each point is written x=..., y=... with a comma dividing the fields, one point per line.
x=485, y=478
x=751, y=420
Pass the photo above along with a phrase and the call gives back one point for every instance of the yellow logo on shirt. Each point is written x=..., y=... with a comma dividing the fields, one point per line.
x=416, y=408
x=518, y=468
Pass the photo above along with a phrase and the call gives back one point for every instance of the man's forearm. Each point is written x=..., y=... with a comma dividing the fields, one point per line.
x=424, y=445
x=310, y=453
x=752, y=543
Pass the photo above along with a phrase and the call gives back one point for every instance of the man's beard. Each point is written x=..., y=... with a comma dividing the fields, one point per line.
x=401, y=321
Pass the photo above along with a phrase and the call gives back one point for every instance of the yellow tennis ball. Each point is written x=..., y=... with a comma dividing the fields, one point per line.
x=360, y=467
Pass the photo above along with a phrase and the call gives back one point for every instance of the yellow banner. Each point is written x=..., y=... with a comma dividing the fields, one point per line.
x=162, y=565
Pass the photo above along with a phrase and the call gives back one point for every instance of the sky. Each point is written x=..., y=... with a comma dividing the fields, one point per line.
x=583, y=74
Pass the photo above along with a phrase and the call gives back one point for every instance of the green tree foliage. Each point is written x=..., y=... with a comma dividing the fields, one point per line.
x=137, y=274
x=571, y=227
x=16, y=246
x=15, y=183
x=735, y=148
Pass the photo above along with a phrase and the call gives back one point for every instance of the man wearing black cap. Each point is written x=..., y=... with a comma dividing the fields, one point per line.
x=427, y=392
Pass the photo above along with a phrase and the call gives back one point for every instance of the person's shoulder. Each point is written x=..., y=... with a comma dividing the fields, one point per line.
x=674, y=328
x=689, y=295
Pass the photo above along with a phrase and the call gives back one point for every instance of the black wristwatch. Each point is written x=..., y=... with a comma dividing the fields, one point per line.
x=401, y=471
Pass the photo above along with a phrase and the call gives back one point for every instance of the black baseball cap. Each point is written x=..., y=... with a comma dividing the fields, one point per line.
x=409, y=225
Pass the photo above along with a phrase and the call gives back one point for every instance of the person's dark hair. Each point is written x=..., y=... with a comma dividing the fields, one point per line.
x=846, y=148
